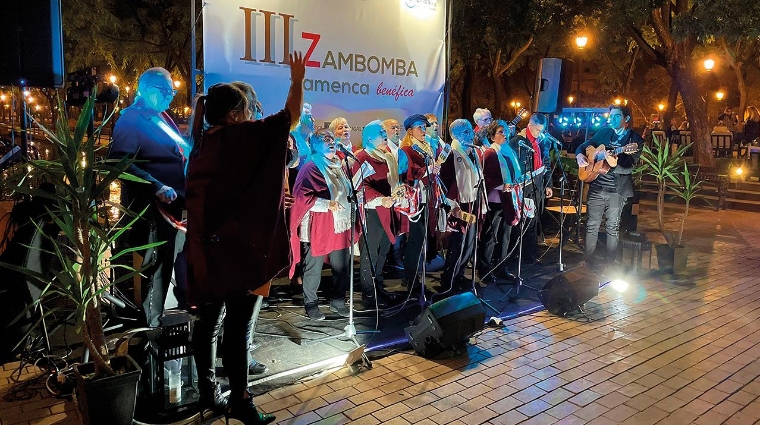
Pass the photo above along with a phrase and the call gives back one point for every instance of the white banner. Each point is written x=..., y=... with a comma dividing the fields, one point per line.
x=366, y=59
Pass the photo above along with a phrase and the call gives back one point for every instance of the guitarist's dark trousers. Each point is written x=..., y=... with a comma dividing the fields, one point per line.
x=608, y=203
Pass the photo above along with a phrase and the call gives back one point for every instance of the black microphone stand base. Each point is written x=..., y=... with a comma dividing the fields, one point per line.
x=514, y=292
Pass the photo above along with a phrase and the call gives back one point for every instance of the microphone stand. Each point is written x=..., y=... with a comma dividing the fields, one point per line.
x=562, y=183
x=480, y=195
x=528, y=164
x=429, y=194
x=349, y=332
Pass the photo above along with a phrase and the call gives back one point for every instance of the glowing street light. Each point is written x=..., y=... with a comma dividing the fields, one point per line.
x=617, y=101
x=709, y=64
x=177, y=83
x=570, y=99
x=661, y=107
x=581, y=41
x=112, y=79
x=719, y=95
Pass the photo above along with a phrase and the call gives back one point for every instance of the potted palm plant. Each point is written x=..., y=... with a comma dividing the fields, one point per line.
x=83, y=214
x=671, y=173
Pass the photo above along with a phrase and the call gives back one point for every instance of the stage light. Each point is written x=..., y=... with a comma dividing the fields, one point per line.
x=26, y=93
x=563, y=121
x=619, y=285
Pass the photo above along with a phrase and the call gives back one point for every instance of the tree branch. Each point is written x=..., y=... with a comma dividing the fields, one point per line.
x=514, y=57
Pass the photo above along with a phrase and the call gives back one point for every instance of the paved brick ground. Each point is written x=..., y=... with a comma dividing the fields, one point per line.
x=667, y=351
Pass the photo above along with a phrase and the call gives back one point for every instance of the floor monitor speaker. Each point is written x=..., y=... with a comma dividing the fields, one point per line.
x=446, y=323
x=569, y=290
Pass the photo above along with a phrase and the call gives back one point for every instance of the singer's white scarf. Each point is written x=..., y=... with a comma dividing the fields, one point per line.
x=390, y=158
x=466, y=173
x=505, y=153
x=338, y=184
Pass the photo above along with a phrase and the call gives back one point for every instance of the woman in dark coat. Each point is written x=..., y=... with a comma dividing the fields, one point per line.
x=237, y=234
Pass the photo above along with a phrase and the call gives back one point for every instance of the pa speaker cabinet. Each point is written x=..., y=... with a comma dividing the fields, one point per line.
x=31, y=43
x=553, y=82
x=569, y=290
x=446, y=323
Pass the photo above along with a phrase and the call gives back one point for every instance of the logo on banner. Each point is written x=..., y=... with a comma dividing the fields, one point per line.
x=335, y=60
x=354, y=62
x=423, y=4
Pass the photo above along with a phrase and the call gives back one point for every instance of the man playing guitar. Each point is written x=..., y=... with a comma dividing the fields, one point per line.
x=609, y=192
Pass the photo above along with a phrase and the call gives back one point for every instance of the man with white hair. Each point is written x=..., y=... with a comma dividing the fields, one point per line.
x=146, y=132
x=483, y=119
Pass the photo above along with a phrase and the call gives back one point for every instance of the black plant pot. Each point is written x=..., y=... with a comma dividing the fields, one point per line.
x=671, y=260
x=108, y=400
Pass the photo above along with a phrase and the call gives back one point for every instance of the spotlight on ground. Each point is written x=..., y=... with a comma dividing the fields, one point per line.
x=619, y=285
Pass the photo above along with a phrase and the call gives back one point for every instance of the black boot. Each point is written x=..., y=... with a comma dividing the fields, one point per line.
x=211, y=398
x=245, y=411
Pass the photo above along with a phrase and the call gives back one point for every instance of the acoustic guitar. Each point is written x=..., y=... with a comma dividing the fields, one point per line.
x=597, y=164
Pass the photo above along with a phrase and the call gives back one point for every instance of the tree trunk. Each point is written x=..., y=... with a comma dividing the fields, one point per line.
x=497, y=95
x=737, y=67
x=696, y=112
x=671, y=106
x=469, y=75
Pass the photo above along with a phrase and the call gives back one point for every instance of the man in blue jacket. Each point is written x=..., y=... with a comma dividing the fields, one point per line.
x=145, y=131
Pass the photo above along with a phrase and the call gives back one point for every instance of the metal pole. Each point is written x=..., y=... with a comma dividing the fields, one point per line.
x=193, y=67
x=580, y=72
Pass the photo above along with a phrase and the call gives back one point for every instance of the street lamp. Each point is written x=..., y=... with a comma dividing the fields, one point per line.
x=719, y=95
x=570, y=99
x=515, y=105
x=617, y=101
x=661, y=107
x=581, y=42
x=112, y=79
x=177, y=83
x=709, y=64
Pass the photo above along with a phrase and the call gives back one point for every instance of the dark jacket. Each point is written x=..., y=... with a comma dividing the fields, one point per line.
x=622, y=172
x=237, y=236
x=525, y=158
x=158, y=157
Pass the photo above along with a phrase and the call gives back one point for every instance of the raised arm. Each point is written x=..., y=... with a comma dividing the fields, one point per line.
x=294, y=102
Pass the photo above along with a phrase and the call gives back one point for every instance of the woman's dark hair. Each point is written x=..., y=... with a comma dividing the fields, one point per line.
x=494, y=127
x=214, y=107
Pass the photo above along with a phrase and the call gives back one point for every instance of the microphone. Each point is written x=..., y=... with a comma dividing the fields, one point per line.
x=549, y=137
x=420, y=151
x=346, y=151
x=525, y=145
